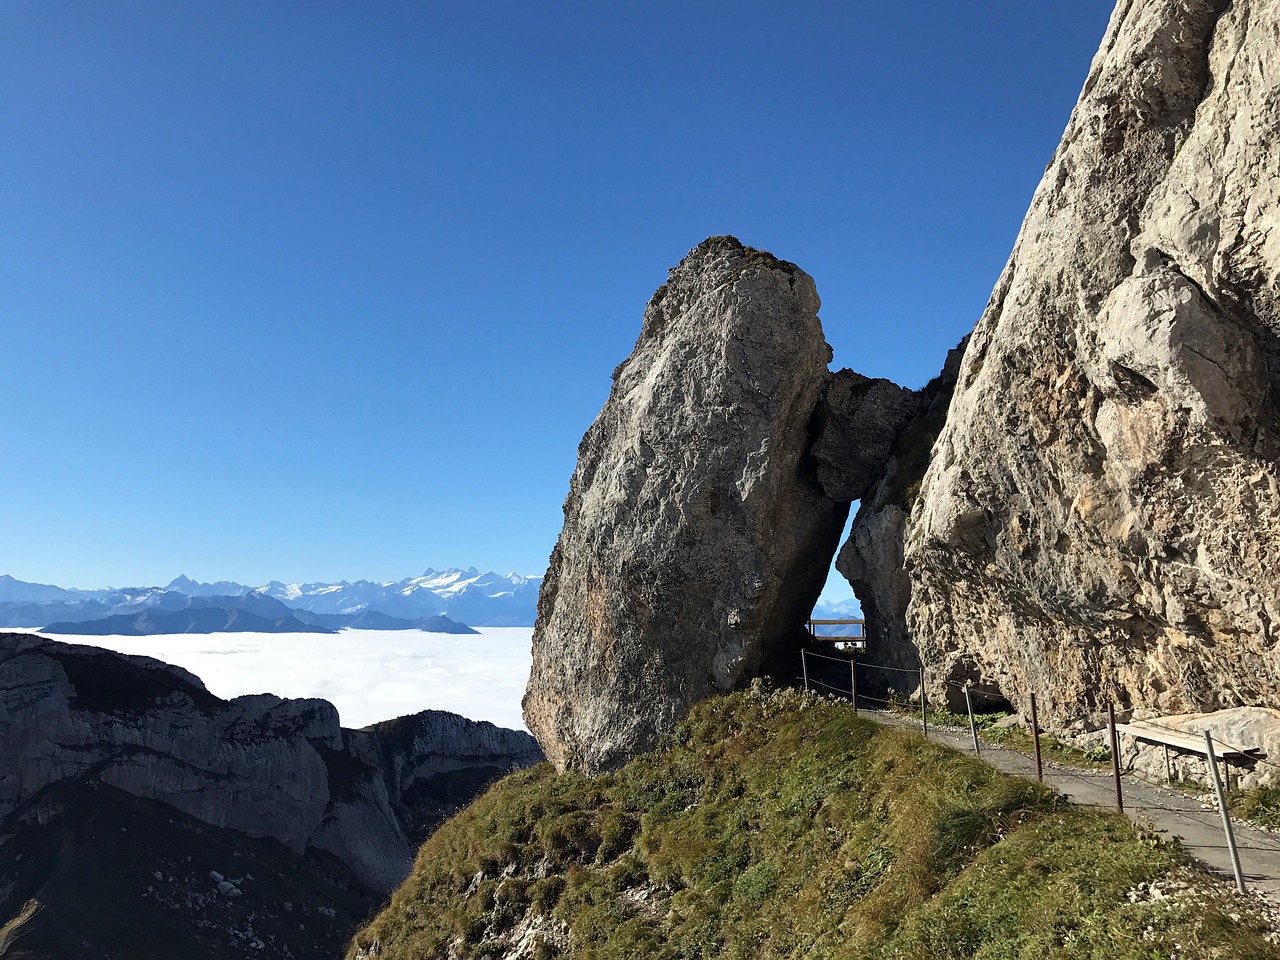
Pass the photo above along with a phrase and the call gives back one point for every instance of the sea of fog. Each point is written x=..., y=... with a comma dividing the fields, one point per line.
x=369, y=675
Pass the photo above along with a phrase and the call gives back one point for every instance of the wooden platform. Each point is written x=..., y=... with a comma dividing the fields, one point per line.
x=1192, y=743
x=855, y=641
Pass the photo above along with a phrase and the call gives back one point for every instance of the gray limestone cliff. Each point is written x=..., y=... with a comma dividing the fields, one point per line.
x=691, y=548
x=707, y=503
x=260, y=765
x=1084, y=504
x=1100, y=517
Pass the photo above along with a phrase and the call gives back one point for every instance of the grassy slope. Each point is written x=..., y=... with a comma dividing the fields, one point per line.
x=780, y=825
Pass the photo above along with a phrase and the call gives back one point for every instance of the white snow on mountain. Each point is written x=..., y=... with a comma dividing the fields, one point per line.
x=469, y=596
x=466, y=595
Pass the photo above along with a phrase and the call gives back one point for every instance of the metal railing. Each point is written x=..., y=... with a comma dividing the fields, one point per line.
x=1151, y=730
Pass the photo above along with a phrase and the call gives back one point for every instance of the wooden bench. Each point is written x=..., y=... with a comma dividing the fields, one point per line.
x=1187, y=742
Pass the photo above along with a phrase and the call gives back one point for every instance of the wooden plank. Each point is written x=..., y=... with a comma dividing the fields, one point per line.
x=827, y=622
x=1153, y=733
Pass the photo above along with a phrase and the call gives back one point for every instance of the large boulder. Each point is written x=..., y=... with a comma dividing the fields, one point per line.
x=861, y=419
x=696, y=534
x=1100, y=519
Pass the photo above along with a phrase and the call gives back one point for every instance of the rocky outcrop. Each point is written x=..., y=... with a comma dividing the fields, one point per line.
x=1100, y=519
x=260, y=765
x=433, y=763
x=89, y=872
x=696, y=535
x=872, y=558
x=861, y=418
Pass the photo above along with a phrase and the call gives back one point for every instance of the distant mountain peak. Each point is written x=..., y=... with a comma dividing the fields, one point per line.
x=463, y=594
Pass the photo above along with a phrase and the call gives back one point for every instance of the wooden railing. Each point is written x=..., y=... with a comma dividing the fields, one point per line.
x=856, y=638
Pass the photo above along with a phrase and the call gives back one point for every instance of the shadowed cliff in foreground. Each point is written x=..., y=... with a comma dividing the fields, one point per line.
x=126, y=786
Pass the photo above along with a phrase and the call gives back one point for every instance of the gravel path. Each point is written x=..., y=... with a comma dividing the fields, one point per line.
x=1197, y=823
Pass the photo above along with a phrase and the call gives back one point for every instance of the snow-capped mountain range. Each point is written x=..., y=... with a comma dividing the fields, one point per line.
x=480, y=599
x=468, y=596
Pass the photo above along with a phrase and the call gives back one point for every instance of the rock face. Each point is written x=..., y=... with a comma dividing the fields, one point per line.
x=697, y=535
x=872, y=558
x=260, y=765
x=861, y=418
x=1100, y=519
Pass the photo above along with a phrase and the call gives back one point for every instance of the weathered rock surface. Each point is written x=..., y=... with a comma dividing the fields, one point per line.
x=872, y=558
x=1100, y=520
x=260, y=765
x=861, y=419
x=696, y=534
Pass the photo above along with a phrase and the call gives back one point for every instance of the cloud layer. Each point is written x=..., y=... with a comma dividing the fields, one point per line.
x=369, y=675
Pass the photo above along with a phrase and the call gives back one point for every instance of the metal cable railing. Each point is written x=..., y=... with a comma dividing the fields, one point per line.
x=899, y=703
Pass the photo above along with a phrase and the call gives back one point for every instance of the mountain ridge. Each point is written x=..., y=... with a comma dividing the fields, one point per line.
x=147, y=817
x=463, y=595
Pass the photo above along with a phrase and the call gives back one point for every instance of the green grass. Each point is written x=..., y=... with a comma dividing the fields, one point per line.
x=1260, y=805
x=1012, y=738
x=780, y=825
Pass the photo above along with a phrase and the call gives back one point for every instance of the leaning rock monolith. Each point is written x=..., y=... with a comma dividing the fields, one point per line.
x=1100, y=520
x=696, y=535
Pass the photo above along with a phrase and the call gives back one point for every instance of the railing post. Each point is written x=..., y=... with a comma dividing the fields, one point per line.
x=973, y=726
x=853, y=682
x=1035, y=736
x=924, y=717
x=1115, y=754
x=804, y=668
x=1226, y=817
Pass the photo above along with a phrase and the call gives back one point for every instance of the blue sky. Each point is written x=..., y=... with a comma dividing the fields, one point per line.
x=328, y=290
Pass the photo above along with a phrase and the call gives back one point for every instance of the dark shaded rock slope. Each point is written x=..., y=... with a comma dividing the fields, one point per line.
x=276, y=786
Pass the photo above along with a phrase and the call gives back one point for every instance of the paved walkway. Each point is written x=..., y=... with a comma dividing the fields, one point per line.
x=1198, y=824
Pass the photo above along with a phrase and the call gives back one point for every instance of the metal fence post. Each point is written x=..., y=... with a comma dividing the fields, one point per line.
x=804, y=668
x=1226, y=817
x=973, y=726
x=1115, y=755
x=853, y=682
x=1035, y=736
x=924, y=718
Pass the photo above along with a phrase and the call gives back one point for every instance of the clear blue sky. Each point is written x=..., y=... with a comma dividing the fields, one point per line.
x=331, y=290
